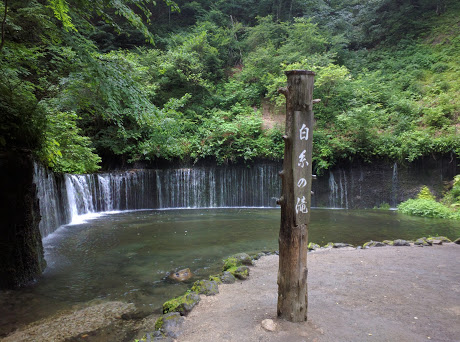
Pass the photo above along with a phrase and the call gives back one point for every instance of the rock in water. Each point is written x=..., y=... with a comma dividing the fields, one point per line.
x=181, y=275
x=269, y=325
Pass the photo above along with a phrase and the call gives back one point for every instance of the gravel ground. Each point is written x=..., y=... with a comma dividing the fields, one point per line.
x=376, y=294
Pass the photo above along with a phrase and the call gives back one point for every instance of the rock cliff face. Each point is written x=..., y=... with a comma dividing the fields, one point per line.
x=21, y=249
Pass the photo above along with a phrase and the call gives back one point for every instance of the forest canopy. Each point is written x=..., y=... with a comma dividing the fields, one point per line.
x=85, y=84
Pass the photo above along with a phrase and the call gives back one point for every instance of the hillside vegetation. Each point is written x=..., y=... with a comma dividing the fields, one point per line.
x=85, y=82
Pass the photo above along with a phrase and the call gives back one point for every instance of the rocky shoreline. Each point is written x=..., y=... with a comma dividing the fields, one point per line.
x=168, y=327
x=116, y=321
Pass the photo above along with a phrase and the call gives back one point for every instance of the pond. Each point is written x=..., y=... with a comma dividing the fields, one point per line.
x=126, y=256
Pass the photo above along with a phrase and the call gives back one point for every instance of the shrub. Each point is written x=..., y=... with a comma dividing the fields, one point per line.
x=426, y=208
x=425, y=193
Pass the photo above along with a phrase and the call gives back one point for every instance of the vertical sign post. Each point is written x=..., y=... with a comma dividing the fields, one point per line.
x=296, y=197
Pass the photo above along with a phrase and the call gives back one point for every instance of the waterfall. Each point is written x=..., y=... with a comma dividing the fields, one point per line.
x=65, y=199
x=338, y=192
x=394, y=186
x=333, y=191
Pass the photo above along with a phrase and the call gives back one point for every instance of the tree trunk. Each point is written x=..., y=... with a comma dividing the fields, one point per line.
x=296, y=197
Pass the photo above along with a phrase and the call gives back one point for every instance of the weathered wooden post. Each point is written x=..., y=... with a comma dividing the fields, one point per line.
x=296, y=197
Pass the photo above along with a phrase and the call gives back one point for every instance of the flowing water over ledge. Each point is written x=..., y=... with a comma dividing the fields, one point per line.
x=126, y=256
x=65, y=198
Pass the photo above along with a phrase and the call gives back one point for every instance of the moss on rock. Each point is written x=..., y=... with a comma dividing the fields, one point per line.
x=230, y=262
x=182, y=304
x=206, y=287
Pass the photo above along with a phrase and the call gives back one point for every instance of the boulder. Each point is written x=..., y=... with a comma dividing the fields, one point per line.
x=183, y=304
x=206, y=287
x=341, y=245
x=181, y=275
x=227, y=278
x=169, y=325
x=457, y=241
x=388, y=242
x=373, y=244
x=243, y=259
x=329, y=245
x=400, y=242
x=436, y=242
x=439, y=238
x=313, y=246
x=241, y=272
x=422, y=242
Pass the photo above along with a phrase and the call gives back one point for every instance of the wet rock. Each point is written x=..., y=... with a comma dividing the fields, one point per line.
x=241, y=272
x=183, y=304
x=169, y=325
x=227, y=278
x=268, y=325
x=373, y=244
x=400, y=242
x=422, y=242
x=181, y=275
x=206, y=287
x=439, y=238
x=313, y=246
x=342, y=245
x=243, y=259
x=457, y=241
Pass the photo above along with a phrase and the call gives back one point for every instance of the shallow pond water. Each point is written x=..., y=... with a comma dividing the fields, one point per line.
x=127, y=256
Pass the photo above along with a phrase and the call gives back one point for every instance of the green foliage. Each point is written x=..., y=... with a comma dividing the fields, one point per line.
x=231, y=263
x=198, y=94
x=426, y=205
x=425, y=194
x=427, y=208
x=452, y=197
x=65, y=149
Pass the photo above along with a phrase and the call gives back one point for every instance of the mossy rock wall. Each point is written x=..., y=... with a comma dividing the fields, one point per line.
x=21, y=249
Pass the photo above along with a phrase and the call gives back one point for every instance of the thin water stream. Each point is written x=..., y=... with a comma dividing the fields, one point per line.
x=127, y=256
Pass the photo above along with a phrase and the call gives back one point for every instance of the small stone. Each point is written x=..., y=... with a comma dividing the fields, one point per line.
x=436, y=242
x=388, y=242
x=400, y=242
x=227, y=278
x=269, y=325
x=329, y=245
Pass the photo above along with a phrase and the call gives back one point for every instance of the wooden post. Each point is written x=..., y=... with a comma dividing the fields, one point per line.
x=296, y=197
